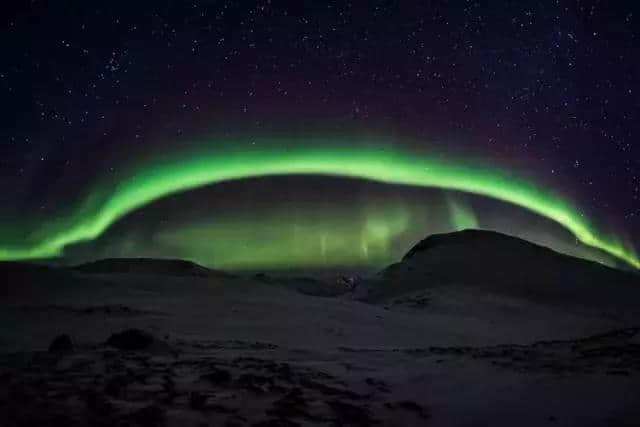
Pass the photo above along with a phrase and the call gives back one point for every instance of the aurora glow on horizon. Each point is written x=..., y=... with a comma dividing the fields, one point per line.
x=107, y=204
x=292, y=236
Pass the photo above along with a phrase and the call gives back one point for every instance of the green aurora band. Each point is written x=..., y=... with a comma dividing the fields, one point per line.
x=107, y=204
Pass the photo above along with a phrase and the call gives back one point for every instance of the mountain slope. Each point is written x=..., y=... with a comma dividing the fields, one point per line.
x=495, y=263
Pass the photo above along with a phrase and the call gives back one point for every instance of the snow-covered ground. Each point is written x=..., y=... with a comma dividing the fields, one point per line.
x=434, y=354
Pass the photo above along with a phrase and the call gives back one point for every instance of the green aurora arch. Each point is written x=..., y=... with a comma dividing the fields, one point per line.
x=389, y=165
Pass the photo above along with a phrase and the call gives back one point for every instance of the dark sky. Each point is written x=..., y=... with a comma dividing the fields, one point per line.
x=548, y=87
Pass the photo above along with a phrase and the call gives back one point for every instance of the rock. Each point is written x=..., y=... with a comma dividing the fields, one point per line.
x=378, y=384
x=61, y=344
x=284, y=372
x=217, y=376
x=149, y=416
x=276, y=422
x=255, y=383
x=98, y=405
x=291, y=405
x=352, y=415
x=412, y=406
x=115, y=384
x=197, y=400
x=207, y=401
x=131, y=339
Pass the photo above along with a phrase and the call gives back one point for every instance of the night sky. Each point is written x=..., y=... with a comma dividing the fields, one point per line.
x=104, y=104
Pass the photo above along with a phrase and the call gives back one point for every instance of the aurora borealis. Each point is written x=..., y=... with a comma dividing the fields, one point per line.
x=290, y=236
x=384, y=165
x=111, y=110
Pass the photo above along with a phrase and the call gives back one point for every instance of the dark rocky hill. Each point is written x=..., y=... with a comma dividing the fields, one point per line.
x=165, y=267
x=500, y=264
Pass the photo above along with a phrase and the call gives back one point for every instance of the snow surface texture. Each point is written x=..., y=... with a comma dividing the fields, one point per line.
x=471, y=328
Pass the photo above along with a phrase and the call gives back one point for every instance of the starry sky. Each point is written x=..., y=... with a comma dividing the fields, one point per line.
x=547, y=90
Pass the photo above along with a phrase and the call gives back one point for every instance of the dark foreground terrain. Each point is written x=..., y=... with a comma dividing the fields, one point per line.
x=471, y=328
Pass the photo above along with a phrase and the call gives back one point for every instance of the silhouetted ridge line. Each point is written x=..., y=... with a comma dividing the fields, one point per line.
x=474, y=238
x=169, y=267
x=495, y=263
